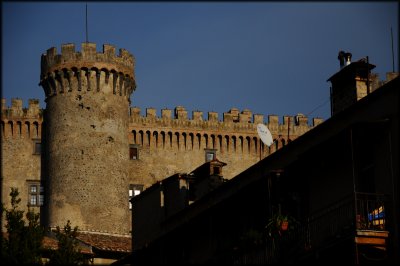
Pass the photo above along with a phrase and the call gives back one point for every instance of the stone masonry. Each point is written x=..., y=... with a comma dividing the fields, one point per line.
x=87, y=129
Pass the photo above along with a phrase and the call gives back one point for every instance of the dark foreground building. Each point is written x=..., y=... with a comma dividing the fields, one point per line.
x=337, y=186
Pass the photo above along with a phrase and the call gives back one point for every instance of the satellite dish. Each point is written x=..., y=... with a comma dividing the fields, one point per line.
x=265, y=134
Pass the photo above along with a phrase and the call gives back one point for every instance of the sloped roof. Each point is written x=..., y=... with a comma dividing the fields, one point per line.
x=107, y=242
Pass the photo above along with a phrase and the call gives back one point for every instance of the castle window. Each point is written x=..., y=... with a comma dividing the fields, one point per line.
x=210, y=154
x=37, y=147
x=133, y=152
x=36, y=194
x=134, y=190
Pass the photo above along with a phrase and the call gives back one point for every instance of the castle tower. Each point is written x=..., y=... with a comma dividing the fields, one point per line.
x=86, y=140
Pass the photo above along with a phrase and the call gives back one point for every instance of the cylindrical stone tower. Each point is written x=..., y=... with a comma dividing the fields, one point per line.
x=86, y=140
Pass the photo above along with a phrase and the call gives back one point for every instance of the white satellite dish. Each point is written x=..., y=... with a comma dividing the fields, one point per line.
x=265, y=134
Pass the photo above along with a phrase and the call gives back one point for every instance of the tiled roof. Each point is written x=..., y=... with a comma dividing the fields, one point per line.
x=99, y=241
x=107, y=242
x=50, y=243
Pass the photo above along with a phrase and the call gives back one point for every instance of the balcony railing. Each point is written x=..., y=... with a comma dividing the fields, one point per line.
x=360, y=211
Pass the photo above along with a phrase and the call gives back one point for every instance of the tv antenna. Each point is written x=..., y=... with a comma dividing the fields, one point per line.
x=87, y=33
x=265, y=135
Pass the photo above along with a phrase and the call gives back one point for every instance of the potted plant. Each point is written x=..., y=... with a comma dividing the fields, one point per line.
x=279, y=223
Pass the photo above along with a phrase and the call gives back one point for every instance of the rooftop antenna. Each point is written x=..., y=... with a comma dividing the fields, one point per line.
x=391, y=34
x=87, y=34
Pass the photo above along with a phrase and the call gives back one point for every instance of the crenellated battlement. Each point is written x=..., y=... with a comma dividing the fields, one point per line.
x=17, y=121
x=233, y=120
x=87, y=70
x=18, y=112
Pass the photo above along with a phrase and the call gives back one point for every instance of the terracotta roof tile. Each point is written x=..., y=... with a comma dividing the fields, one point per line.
x=107, y=242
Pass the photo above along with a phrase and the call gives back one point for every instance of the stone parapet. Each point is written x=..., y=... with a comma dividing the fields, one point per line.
x=18, y=112
x=233, y=120
x=87, y=70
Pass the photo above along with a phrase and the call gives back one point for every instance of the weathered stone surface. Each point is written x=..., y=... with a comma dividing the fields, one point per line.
x=88, y=127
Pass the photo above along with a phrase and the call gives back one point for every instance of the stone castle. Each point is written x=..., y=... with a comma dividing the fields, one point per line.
x=84, y=155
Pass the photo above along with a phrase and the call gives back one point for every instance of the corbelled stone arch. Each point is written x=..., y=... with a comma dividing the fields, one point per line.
x=241, y=144
x=234, y=143
x=163, y=139
x=75, y=80
x=227, y=144
x=114, y=78
x=58, y=78
x=141, y=138
x=121, y=78
x=67, y=75
x=94, y=79
x=155, y=139
x=198, y=138
x=248, y=145
x=255, y=145
x=184, y=140
x=27, y=129
x=170, y=139
x=148, y=138
x=10, y=129
x=52, y=83
x=212, y=145
x=177, y=140
x=191, y=140
x=85, y=76
x=134, y=136
x=205, y=136
x=36, y=132
x=3, y=133
x=220, y=143
x=19, y=129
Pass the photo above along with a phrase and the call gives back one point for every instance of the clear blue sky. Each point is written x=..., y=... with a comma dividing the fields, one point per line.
x=269, y=57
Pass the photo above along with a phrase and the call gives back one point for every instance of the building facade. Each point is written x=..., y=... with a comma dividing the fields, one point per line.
x=87, y=152
x=337, y=186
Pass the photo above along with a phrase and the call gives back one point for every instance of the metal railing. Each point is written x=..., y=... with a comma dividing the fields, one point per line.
x=359, y=211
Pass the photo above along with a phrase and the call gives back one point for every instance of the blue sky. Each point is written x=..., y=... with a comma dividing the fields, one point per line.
x=269, y=57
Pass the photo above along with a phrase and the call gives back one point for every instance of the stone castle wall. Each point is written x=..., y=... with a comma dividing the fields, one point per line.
x=86, y=167
x=172, y=143
x=21, y=129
